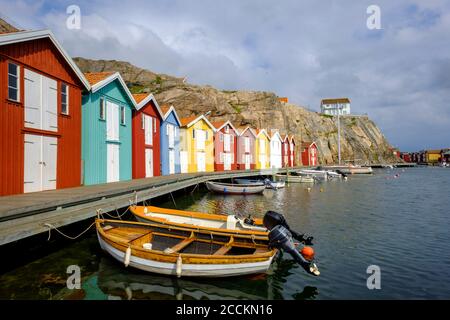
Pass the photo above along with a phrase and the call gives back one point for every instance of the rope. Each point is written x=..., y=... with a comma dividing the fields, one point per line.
x=50, y=226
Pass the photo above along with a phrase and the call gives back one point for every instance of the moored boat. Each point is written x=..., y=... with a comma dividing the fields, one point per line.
x=207, y=221
x=184, y=251
x=268, y=183
x=294, y=178
x=319, y=174
x=350, y=169
x=228, y=188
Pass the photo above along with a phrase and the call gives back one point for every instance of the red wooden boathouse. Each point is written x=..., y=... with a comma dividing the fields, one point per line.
x=40, y=114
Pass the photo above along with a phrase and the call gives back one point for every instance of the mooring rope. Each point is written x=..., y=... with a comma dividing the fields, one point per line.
x=50, y=226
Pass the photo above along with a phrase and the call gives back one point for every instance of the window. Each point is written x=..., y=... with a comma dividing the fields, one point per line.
x=227, y=129
x=154, y=125
x=122, y=115
x=221, y=137
x=13, y=82
x=193, y=134
x=142, y=122
x=102, y=109
x=64, y=98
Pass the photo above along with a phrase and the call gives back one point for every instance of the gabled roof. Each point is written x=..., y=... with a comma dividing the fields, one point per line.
x=142, y=99
x=22, y=36
x=291, y=138
x=276, y=134
x=262, y=131
x=166, y=110
x=335, y=100
x=220, y=124
x=243, y=129
x=102, y=79
x=307, y=144
x=190, y=121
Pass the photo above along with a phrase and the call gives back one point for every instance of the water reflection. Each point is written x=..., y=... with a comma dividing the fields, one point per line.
x=126, y=284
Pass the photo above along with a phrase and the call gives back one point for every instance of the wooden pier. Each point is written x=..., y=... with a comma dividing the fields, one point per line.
x=25, y=215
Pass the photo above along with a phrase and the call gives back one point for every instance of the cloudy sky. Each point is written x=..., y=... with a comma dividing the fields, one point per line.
x=306, y=50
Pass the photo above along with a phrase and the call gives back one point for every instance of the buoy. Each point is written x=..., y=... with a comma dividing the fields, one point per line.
x=179, y=265
x=307, y=253
x=127, y=257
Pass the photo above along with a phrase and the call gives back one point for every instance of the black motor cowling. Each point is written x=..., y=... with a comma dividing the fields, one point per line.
x=272, y=219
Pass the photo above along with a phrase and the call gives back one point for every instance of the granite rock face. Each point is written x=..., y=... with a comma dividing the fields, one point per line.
x=361, y=140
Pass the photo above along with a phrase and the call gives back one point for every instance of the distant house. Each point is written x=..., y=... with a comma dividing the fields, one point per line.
x=262, y=149
x=275, y=150
x=246, y=148
x=309, y=154
x=196, y=144
x=333, y=107
x=146, y=136
x=445, y=156
x=432, y=156
x=406, y=156
x=170, y=141
x=225, y=145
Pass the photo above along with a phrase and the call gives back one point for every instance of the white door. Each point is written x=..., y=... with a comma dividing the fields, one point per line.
x=148, y=127
x=33, y=99
x=227, y=161
x=32, y=165
x=201, y=162
x=41, y=102
x=40, y=163
x=148, y=163
x=226, y=142
x=112, y=165
x=200, y=137
x=262, y=160
x=247, y=161
x=184, y=161
x=112, y=121
x=49, y=152
x=171, y=161
x=171, y=134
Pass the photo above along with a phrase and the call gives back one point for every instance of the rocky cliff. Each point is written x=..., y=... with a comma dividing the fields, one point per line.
x=361, y=139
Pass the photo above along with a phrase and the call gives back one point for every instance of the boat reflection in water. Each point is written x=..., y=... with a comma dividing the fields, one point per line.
x=117, y=283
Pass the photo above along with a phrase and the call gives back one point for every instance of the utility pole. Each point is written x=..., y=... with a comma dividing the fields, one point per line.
x=339, y=107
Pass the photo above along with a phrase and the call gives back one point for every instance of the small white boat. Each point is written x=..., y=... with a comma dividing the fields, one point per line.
x=183, y=251
x=228, y=188
x=294, y=178
x=350, y=169
x=269, y=184
x=320, y=174
x=333, y=175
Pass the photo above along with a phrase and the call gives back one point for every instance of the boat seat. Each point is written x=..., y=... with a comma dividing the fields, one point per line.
x=180, y=245
x=222, y=250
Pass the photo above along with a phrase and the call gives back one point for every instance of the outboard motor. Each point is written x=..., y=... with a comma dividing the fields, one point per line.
x=280, y=237
x=272, y=219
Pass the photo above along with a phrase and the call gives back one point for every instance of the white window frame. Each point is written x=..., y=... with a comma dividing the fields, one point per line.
x=122, y=116
x=67, y=98
x=102, y=110
x=18, y=81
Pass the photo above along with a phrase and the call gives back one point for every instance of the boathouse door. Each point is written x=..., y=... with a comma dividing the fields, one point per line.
x=112, y=165
x=171, y=161
x=227, y=161
x=247, y=161
x=184, y=161
x=148, y=163
x=201, y=162
x=40, y=163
